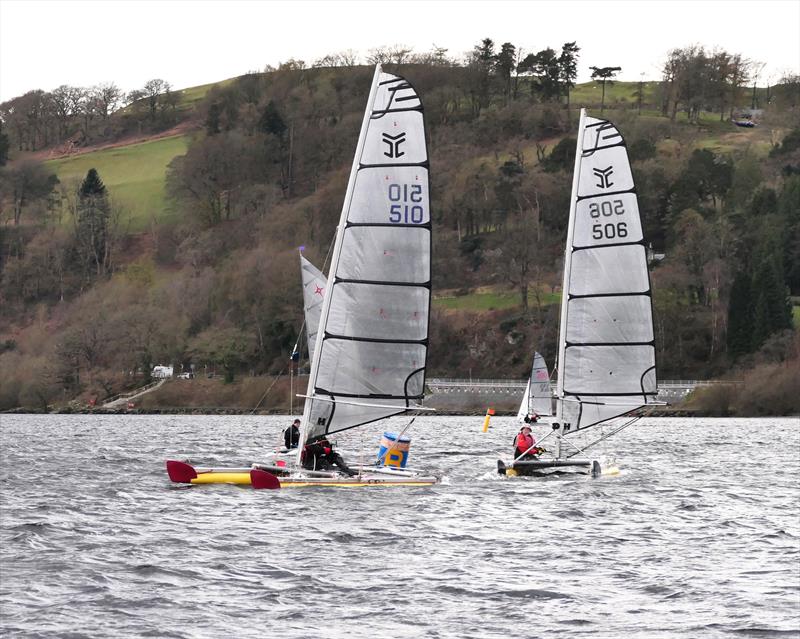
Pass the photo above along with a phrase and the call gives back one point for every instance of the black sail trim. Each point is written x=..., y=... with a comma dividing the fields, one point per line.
x=599, y=246
x=397, y=78
x=376, y=340
x=590, y=152
x=379, y=113
x=411, y=374
x=581, y=198
x=646, y=293
x=427, y=225
x=425, y=165
x=631, y=394
x=322, y=391
x=344, y=280
x=641, y=380
x=651, y=342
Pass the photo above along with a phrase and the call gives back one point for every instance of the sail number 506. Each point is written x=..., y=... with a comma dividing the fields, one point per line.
x=405, y=209
x=610, y=230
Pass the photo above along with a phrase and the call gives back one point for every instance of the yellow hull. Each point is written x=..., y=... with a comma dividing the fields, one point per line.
x=183, y=473
x=244, y=479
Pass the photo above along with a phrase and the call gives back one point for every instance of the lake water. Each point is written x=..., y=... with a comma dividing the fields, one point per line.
x=698, y=536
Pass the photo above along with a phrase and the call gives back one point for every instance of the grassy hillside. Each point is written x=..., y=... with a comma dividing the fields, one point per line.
x=214, y=282
x=134, y=174
x=616, y=92
x=490, y=300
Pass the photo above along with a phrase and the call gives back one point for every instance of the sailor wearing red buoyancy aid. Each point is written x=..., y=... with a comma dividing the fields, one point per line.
x=524, y=443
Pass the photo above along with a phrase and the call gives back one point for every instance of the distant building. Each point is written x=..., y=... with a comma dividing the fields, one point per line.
x=162, y=372
x=653, y=257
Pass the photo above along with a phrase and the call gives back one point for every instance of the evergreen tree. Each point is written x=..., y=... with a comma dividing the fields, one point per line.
x=3, y=146
x=772, y=310
x=92, y=222
x=568, y=67
x=740, y=315
x=271, y=121
x=606, y=74
x=546, y=67
x=788, y=208
x=212, y=119
x=505, y=65
x=562, y=157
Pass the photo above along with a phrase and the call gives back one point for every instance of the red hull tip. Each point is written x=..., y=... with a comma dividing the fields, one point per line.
x=262, y=479
x=180, y=472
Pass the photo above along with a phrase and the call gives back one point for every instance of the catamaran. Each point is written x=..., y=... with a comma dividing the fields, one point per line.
x=606, y=349
x=369, y=354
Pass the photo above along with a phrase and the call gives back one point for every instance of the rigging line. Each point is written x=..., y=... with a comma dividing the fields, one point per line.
x=299, y=336
x=330, y=248
x=277, y=377
x=632, y=420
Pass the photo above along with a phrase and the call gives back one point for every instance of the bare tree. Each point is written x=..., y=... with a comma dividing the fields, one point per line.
x=151, y=92
x=107, y=96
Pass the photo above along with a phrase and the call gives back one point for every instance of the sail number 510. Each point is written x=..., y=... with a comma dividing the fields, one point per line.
x=610, y=230
x=405, y=209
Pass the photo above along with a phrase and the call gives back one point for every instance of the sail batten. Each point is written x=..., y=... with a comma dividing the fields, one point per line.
x=606, y=343
x=374, y=325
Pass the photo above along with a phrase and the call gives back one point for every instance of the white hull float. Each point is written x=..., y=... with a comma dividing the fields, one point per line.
x=262, y=476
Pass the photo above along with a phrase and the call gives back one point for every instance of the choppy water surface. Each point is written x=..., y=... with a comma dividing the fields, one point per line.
x=699, y=536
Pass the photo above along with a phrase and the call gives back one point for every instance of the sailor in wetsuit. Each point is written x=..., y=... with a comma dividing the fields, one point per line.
x=319, y=455
x=291, y=436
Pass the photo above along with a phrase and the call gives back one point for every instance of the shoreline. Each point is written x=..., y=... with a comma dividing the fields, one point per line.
x=467, y=412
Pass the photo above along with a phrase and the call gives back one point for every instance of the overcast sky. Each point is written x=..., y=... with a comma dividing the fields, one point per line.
x=44, y=44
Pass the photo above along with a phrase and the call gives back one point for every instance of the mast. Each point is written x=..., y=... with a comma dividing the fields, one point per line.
x=337, y=249
x=562, y=330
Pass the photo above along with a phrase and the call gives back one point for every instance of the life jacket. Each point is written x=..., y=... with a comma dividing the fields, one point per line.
x=523, y=442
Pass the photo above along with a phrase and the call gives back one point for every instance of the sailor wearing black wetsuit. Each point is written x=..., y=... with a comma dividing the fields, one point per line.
x=291, y=436
x=320, y=455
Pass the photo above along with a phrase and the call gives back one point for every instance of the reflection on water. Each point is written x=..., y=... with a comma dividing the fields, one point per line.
x=698, y=536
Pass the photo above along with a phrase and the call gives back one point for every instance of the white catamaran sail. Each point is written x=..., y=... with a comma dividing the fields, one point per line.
x=606, y=354
x=314, y=284
x=538, y=396
x=369, y=354
x=607, y=358
x=369, y=359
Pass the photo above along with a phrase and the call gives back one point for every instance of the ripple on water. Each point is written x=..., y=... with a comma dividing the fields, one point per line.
x=107, y=546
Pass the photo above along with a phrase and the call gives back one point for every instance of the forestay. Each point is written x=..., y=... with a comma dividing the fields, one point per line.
x=538, y=396
x=369, y=362
x=607, y=348
x=314, y=284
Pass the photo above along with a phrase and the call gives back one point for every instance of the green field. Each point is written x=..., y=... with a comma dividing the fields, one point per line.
x=616, y=92
x=491, y=301
x=796, y=316
x=134, y=175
